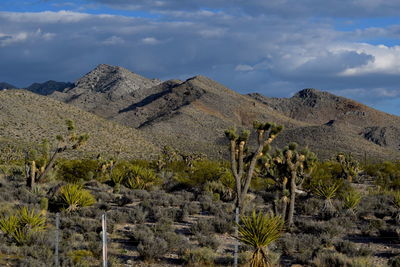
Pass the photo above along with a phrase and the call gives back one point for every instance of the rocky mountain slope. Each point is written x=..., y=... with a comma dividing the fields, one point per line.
x=340, y=117
x=192, y=115
x=27, y=117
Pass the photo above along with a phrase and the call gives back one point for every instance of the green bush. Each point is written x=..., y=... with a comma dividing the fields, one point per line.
x=387, y=174
x=73, y=171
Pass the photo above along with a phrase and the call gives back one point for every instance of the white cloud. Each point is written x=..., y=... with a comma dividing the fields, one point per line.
x=9, y=39
x=150, y=41
x=113, y=40
x=44, y=17
x=244, y=67
x=386, y=59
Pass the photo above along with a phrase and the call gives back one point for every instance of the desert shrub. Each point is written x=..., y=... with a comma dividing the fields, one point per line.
x=213, y=207
x=73, y=171
x=140, y=194
x=73, y=196
x=140, y=233
x=202, y=226
x=207, y=241
x=118, y=216
x=328, y=258
x=137, y=215
x=319, y=227
x=81, y=257
x=394, y=262
x=25, y=196
x=301, y=247
x=309, y=206
x=176, y=243
x=154, y=242
x=21, y=226
x=192, y=208
x=387, y=174
x=199, y=256
x=206, y=175
x=377, y=204
x=352, y=250
x=223, y=225
x=162, y=226
x=152, y=248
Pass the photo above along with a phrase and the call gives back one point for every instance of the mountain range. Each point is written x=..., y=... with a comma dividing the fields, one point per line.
x=192, y=115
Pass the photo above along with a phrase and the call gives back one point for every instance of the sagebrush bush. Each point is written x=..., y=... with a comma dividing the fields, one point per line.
x=301, y=247
x=207, y=241
x=203, y=256
x=202, y=226
x=351, y=249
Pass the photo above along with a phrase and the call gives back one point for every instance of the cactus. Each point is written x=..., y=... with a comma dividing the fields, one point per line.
x=243, y=163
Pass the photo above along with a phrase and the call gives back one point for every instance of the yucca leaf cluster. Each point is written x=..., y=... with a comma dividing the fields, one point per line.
x=20, y=226
x=326, y=191
x=259, y=231
x=73, y=196
x=351, y=199
x=134, y=176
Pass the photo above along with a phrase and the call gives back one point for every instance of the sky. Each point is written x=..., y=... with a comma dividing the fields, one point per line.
x=275, y=47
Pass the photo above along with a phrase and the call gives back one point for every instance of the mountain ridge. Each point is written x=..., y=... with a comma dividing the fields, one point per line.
x=192, y=115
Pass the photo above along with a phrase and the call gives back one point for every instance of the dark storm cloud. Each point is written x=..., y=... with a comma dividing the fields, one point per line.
x=275, y=55
x=336, y=8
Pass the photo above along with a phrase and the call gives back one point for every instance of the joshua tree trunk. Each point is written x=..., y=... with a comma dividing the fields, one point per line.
x=292, y=198
x=51, y=162
x=32, y=175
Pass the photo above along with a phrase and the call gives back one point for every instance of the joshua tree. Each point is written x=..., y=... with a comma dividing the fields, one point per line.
x=350, y=166
x=71, y=141
x=259, y=231
x=300, y=164
x=244, y=163
x=35, y=163
x=288, y=168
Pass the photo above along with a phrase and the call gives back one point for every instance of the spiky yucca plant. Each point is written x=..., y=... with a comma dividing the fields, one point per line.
x=396, y=203
x=138, y=177
x=327, y=192
x=74, y=196
x=20, y=226
x=396, y=199
x=351, y=199
x=259, y=231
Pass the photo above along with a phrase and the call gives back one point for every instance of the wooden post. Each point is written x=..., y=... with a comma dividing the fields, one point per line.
x=57, y=240
x=104, y=237
x=235, y=255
